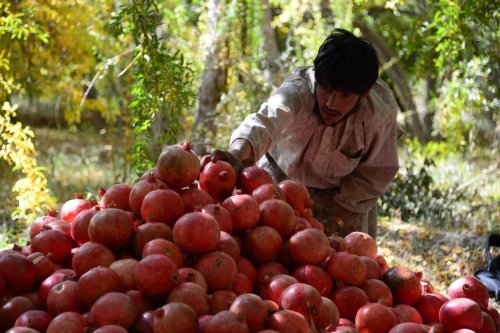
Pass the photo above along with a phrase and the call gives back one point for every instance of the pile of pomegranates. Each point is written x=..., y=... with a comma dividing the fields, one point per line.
x=187, y=250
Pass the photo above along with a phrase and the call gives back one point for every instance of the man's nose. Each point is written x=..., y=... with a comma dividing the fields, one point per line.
x=331, y=102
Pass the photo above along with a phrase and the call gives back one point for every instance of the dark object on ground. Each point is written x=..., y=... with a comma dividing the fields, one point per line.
x=490, y=276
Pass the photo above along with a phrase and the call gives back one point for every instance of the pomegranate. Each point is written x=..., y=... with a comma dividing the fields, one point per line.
x=328, y=315
x=175, y=317
x=36, y=319
x=227, y=322
x=91, y=255
x=125, y=268
x=188, y=274
x=337, y=243
x=302, y=298
x=229, y=244
x=288, y=321
x=162, y=205
x=55, y=244
x=470, y=287
x=267, y=191
x=296, y=194
x=110, y=329
x=407, y=313
x=156, y=275
x=488, y=324
x=97, y=282
x=51, y=281
x=191, y=294
x=44, y=267
x=111, y=227
x=194, y=198
x=409, y=328
x=428, y=306
x=244, y=210
x=141, y=303
x=348, y=268
x=149, y=231
x=361, y=244
x=218, y=269
x=377, y=292
x=68, y=322
x=404, y=284
x=114, y=308
x=262, y=244
x=300, y=224
x=222, y=216
x=218, y=179
x=375, y=318
x=165, y=247
x=301, y=250
x=246, y=267
x=460, y=313
x=221, y=300
x=178, y=166
x=242, y=284
x=253, y=309
x=196, y=233
x=315, y=276
x=373, y=270
x=64, y=297
x=144, y=322
x=251, y=177
x=117, y=196
x=71, y=208
x=349, y=300
x=11, y=308
x=268, y=270
x=141, y=188
x=80, y=225
x=17, y=272
x=279, y=215
x=272, y=287
x=37, y=225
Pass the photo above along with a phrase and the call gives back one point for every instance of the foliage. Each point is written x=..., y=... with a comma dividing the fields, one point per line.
x=18, y=150
x=162, y=90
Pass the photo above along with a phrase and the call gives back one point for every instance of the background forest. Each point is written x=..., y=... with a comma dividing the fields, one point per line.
x=92, y=90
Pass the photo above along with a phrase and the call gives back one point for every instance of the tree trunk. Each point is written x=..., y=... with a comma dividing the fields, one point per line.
x=273, y=68
x=399, y=77
x=213, y=81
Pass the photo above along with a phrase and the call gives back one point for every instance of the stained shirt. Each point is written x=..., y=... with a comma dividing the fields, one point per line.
x=358, y=155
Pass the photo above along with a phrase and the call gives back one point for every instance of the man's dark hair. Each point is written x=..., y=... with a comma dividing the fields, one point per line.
x=346, y=63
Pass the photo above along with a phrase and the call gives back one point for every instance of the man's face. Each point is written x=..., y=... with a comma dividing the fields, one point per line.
x=335, y=105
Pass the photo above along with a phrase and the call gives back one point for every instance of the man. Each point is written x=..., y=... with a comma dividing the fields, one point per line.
x=333, y=127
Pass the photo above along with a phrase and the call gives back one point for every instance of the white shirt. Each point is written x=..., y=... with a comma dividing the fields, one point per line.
x=358, y=155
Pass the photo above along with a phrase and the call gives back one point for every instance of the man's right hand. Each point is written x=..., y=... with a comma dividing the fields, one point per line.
x=221, y=155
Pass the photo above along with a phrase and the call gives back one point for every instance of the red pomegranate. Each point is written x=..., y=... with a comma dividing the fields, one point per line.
x=428, y=306
x=144, y=322
x=222, y=216
x=337, y=243
x=407, y=313
x=470, y=287
x=165, y=247
x=194, y=198
x=189, y=274
x=141, y=189
x=191, y=294
x=71, y=208
x=227, y=322
x=116, y=196
x=51, y=281
x=361, y=244
x=489, y=325
x=111, y=227
x=272, y=287
x=229, y=244
x=266, y=192
x=80, y=225
x=373, y=270
x=53, y=243
x=43, y=265
x=410, y=328
x=97, y=282
x=156, y=275
x=36, y=319
x=178, y=166
x=375, y=318
x=296, y=194
x=67, y=322
x=253, y=309
x=218, y=269
x=221, y=300
x=244, y=210
x=288, y=321
x=268, y=270
x=64, y=297
x=175, y=317
x=348, y=268
x=149, y=231
x=242, y=284
x=458, y=313
x=37, y=225
x=162, y=205
x=262, y=244
x=315, y=276
x=141, y=302
x=11, y=308
x=60, y=225
x=404, y=284
x=301, y=250
x=114, y=308
x=125, y=268
x=349, y=300
x=196, y=233
x=17, y=272
x=377, y=292
x=110, y=329
x=302, y=298
x=328, y=316
x=279, y=215
x=251, y=178
x=246, y=267
x=91, y=255
x=218, y=179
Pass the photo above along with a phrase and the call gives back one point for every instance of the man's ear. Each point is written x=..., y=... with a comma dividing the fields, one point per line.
x=366, y=93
